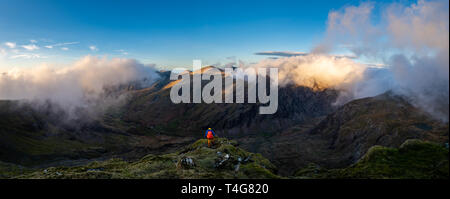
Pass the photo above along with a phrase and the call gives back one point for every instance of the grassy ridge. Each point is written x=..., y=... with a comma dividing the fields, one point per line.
x=224, y=160
x=414, y=159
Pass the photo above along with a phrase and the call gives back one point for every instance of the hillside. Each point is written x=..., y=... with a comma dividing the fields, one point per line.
x=224, y=160
x=343, y=137
x=307, y=129
x=414, y=159
x=152, y=110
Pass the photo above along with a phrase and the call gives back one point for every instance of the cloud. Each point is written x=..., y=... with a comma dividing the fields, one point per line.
x=65, y=48
x=93, y=48
x=84, y=84
x=2, y=52
x=410, y=44
x=281, y=53
x=412, y=41
x=33, y=41
x=121, y=51
x=27, y=56
x=10, y=44
x=30, y=47
x=317, y=71
x=352, y=23
x=61, y=44
x=273, y=54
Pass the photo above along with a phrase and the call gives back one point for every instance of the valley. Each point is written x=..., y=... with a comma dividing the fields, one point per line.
x=309, y=132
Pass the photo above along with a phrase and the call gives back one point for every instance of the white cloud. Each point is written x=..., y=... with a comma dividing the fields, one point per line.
x=2, y=52
x=10, y=44
x=64, y=48
x=277, y=54
x=123, y=52
x=27, y=56
x=81, y=84
x=282, y=53
x=411, y=39
x=30, y=47
x=33, y=41
x=60, y=44
x=317, y=71
x=93, y=48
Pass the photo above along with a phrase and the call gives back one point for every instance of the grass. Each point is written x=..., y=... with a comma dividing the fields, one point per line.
x=414, y=159
x=8, y=170
x=170, y=166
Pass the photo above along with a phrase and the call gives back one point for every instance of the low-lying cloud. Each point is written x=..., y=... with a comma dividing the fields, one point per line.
x=81, y=85
x=316, y=71
x=410, y=41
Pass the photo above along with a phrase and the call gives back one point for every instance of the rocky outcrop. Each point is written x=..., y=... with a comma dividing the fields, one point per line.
x=414, y=159
x=194, y=161
x=153, y=111
x=343, y=137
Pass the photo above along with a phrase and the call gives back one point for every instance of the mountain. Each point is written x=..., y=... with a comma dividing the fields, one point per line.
x=344, y=136
x=308, y=128
x=224, y=160
x=44, y=136
x=414, y=159
x=152, y=109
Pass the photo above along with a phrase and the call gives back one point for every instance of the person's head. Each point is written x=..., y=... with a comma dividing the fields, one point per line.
x=209, y=128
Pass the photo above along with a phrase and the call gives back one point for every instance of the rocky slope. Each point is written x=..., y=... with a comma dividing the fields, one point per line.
x=307, y=129
x=223, y=160
x=41, y=136
x=414, y=159
x=147, y=122
x=343, y=137
x=152, y=110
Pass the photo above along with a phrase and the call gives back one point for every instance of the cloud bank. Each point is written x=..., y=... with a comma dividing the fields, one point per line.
x=316, y=71
x=411, y=41
x=81, y=85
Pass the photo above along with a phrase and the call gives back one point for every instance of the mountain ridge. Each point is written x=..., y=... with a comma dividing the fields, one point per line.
x=307, y=129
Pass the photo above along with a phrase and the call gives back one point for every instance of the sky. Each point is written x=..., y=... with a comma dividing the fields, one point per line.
x=53, y=49
x=166, y=33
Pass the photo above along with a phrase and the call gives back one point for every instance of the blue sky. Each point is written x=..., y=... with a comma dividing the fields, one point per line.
x=167, y=33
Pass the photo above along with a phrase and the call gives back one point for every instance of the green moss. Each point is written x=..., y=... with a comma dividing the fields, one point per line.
x=309, y=172
x=170, y=165
x=415, y=159
x=8, y=170
x=258, y=171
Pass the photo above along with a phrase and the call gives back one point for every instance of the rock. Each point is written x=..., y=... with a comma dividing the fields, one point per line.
x=247, y=158
x=186, y=163
x=236, y=168
x=221, y=162
x=192, y=162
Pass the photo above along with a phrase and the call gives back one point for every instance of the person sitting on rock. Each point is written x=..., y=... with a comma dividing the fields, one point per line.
x=209, y=134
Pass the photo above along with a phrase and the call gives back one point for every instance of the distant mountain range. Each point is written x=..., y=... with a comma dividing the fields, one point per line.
x=307, y=130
